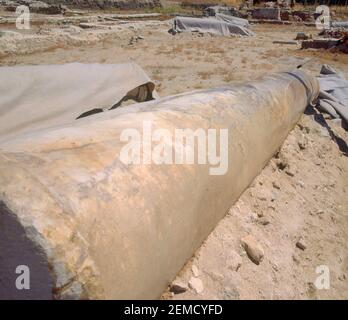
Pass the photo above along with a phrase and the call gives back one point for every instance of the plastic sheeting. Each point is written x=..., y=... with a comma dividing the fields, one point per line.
x=210, y=25
x=333, y=93
x=226, y=14
x=233, y=20
x=339, y=24
x=38, y=97
x=103, y=229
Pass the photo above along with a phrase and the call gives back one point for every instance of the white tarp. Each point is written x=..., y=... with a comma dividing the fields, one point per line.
x=38, y=97
x=333, y=93
x=231, y=19
x=339, y=24
x=209, y=25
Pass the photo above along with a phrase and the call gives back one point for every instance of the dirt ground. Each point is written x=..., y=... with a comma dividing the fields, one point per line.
x=302, y=192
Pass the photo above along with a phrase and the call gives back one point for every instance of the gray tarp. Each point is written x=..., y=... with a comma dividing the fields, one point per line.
x=339, y=24
x=333, y=93
x=210, y=25
x=232, y=19
x=38, y=97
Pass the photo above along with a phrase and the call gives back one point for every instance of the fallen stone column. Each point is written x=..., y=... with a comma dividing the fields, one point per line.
x=89, y=226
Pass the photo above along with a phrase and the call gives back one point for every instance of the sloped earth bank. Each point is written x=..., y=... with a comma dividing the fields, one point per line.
x=296, y=209
x=307, y=202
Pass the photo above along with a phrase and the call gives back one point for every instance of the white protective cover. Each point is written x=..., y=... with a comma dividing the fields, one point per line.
x=210, y=25
x=231, y=19
x=333, y=93
x=39, y=97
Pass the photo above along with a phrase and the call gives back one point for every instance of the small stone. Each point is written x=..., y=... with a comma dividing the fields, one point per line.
x=272, y=207
x=274, y=196
x=168, y=295
x=263, y=221
x=304, y=128
x=301, y=36
x=311, y=290
x=275, y=267
x=178, y=287
x=251, y=217
x=302, y=144
x=276, y=185
x=235, y=261
x=195, y=271
x=216, y=276
x=296, y=258
x=86, y=25
x=230, y=292
x=262, y=195
x=281, y=164
x=196, y=285
x=342, y=277
x=253, y=249
x=301, y=244
x=301, y=184
x=290, y=172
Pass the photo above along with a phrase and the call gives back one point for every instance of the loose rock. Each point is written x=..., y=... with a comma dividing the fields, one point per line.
x=342, y=277
x=296, y=258
x=301, y=244
x=195, y=271
x=178, y=287
x=302, y=144
x=263, y=221
x=234, y=262
x=301, y=36
x=196, y=285
x=290, y=172
x=276, y=185
x=301, y=184
x=253, y=249
x=260, y=214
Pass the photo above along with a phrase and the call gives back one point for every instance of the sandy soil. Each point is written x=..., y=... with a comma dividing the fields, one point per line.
x=302, y=193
